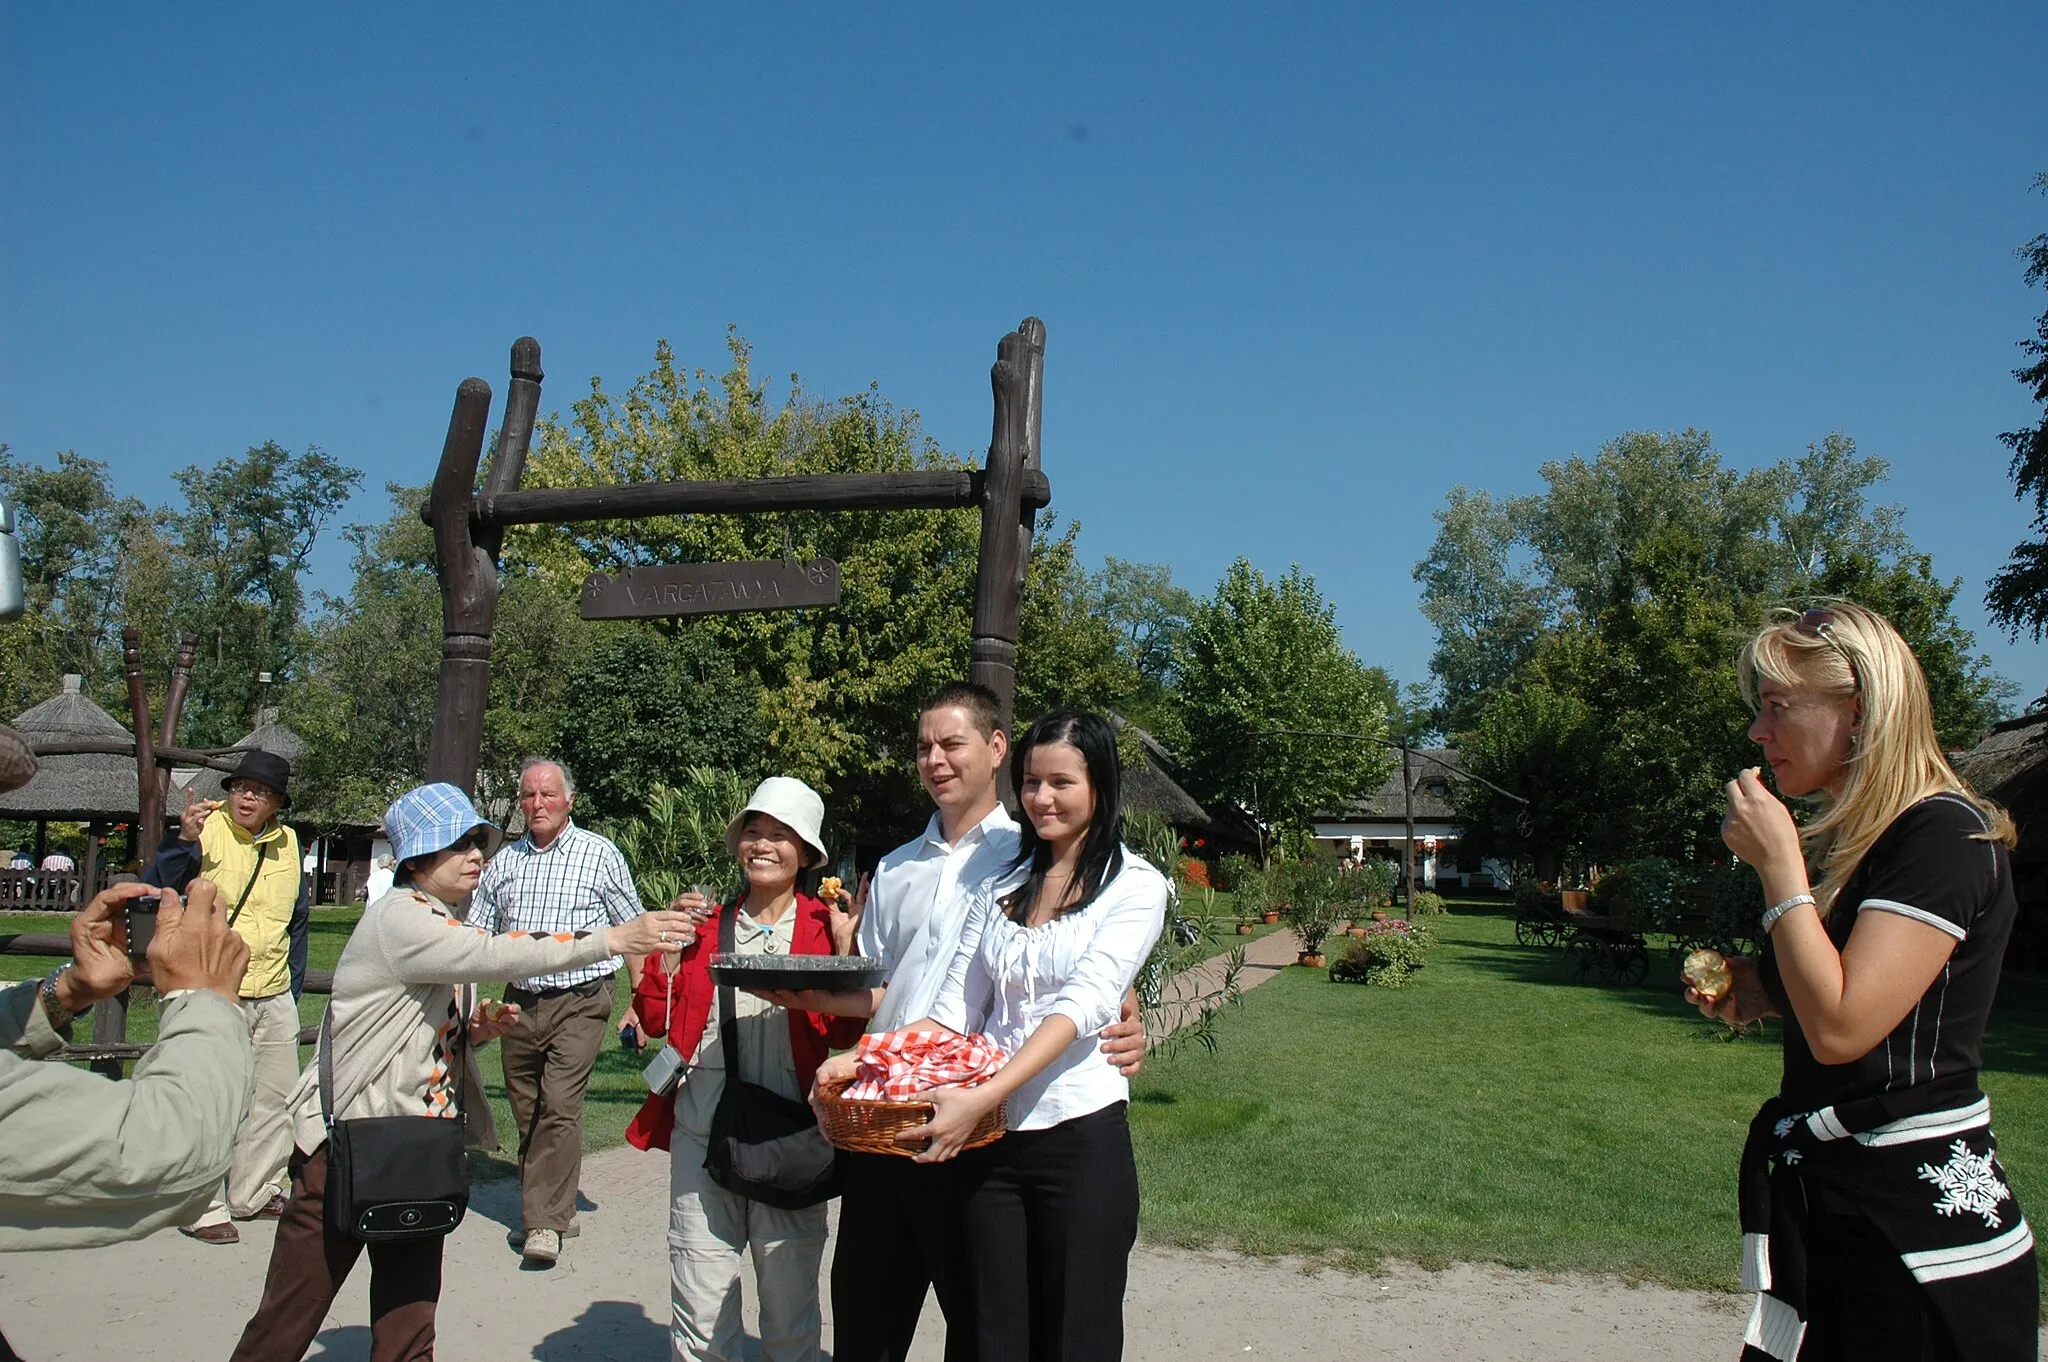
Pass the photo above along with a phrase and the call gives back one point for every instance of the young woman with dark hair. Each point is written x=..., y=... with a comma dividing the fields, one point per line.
x=1048, y=953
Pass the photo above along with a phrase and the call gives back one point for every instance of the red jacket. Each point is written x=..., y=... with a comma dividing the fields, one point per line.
x=812, y=1035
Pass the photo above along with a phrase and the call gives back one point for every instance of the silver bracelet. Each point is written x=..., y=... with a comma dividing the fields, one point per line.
x=1778, y=910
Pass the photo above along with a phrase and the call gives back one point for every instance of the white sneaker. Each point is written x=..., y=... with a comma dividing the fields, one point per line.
x=542, y=1246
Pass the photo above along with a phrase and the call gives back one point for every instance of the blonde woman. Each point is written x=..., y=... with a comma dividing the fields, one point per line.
x=1877, y=1222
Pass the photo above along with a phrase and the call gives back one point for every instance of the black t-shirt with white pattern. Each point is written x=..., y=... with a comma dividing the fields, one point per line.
x=1933, y=866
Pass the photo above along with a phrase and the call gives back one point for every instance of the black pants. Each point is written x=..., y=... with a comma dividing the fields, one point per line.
x=901, y=1229
x=1051, y=1218
x=1862, y=1305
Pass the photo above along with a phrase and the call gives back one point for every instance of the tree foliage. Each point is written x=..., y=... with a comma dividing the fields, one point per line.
x=1587, y=634
x=1264, y=678
x=2018, y=596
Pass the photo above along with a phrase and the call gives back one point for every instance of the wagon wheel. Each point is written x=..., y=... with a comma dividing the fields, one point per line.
x=1557, y=933
x=1529, y=932
x=1631, y=963
x=1582, y=956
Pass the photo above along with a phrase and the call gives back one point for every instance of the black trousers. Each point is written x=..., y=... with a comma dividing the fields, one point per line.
x=901, y=1230
x=1862, y=1305
x=1052, y=1216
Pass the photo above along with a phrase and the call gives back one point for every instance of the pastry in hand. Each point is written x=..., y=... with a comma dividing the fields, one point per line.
x=1707, y=972
x=831, y=888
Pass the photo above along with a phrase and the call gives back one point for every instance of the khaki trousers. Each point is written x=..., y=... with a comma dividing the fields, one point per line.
x=263, y=1144
x=708, y=1229
x=548, y=1057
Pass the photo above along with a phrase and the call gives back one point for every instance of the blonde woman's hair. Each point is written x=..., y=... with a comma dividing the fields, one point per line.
x=1895, y=761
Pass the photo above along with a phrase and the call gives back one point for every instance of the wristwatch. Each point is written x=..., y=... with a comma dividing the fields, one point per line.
x=60, y=1016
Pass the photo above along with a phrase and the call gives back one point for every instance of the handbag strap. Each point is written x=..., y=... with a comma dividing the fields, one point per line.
x=728, y=1020
x=261, y=852
x=458, y=1073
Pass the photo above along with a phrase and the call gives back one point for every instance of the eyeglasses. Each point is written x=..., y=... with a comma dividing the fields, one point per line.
x=250, y=787
x=1819, y=623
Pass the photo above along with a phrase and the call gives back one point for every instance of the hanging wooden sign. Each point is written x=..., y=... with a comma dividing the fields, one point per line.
x=710, y=589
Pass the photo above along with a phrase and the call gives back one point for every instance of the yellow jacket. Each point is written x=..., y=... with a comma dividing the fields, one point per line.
x=228, y=856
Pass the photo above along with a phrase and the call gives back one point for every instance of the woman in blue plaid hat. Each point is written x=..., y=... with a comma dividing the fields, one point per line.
x=399, y=1009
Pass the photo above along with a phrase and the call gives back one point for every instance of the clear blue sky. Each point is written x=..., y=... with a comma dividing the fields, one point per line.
x=1303, y=270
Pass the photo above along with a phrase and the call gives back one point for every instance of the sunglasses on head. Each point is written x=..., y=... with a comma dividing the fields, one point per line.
x=1819, y=623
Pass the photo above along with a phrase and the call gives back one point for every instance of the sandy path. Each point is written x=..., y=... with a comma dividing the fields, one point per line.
x=171, y=1298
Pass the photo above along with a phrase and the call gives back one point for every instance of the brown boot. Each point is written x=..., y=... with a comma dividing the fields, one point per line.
x=212, y=1234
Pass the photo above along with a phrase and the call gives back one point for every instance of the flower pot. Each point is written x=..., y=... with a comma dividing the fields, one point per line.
x=1269, y=918
x=1316, y=961
x=1245, y=929
x=1358, y=932
x=1575, y=900
x=1379, y=915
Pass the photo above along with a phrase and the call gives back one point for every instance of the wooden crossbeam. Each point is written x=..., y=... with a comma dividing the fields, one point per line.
x=928, y=491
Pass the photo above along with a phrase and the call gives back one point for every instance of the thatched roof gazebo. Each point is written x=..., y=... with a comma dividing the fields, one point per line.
x=94, y=789
x=204, y=782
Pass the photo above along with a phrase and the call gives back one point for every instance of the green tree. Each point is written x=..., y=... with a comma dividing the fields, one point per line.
x=242, y=539
x=72, y=530
x=1263, y=669
x=2018, y=595
x=648, y=706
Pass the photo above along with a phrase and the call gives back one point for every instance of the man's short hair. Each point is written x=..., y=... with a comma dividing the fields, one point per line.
x=568, y=776
x=984, y=710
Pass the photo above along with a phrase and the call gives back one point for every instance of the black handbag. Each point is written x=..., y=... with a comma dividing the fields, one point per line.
x=764, y=1146
x=393, y=1178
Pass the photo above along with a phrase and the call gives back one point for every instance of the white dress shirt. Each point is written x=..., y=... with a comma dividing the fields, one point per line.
x=1006, y=979
x=917, y=904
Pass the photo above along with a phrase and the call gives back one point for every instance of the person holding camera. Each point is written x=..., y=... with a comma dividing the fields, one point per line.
x=243, y=847
x=83, y=1161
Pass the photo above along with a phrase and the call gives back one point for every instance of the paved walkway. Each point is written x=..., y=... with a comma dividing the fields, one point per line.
x=1264, y=957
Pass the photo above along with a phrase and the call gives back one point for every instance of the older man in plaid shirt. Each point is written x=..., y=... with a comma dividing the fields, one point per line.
x=557, y=878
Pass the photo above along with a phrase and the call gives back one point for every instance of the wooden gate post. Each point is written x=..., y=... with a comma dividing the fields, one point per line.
x=1018, y=378
x=469, y=559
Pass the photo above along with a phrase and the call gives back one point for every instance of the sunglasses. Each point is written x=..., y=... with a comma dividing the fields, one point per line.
x=1819, y=623
x=479, y=840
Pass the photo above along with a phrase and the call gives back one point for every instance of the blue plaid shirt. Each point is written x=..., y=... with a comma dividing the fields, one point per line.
x=576, y=883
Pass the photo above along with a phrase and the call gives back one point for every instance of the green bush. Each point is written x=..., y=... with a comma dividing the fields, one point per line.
x=1427, y=904
x=1646, y=893
x=1317, y=899
x=1388, y=954
x=1237, y=872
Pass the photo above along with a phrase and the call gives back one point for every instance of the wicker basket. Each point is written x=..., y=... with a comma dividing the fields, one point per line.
x=872, y=1127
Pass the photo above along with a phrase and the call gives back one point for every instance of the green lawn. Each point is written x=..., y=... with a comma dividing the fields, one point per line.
x=1493, y=1111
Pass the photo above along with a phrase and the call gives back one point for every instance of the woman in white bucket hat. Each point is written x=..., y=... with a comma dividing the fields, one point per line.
x=775, y=837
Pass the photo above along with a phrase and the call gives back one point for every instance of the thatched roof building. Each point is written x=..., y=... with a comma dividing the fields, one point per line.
x=205, y=782
x=84, y=788
x=2011, y=767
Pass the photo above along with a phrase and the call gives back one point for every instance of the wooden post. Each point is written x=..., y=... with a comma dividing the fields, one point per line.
x=174, y=711
x=515, y=438
x=150, y=814
x=469, y=595
x=1006, y=526
x=1408, y=837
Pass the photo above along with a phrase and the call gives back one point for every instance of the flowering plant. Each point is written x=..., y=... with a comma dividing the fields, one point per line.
x=1387, y=955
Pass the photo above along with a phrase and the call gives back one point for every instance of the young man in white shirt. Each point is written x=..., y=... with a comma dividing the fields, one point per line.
x=900, y=1224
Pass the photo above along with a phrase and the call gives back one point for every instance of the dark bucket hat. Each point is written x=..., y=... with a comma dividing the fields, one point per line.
x=268, y=769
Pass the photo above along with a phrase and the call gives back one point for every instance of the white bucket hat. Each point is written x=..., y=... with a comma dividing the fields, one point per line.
x=792, y=802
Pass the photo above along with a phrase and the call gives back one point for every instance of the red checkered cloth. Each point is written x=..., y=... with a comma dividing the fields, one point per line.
x=897, y=1066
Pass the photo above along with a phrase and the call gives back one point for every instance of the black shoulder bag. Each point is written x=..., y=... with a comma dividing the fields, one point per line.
x=395, y=1177
x=764, y=1146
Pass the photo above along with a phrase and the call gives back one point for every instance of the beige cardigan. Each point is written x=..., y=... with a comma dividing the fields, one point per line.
x=392, y=990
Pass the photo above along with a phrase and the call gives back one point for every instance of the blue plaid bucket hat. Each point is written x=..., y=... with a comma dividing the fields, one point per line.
x=431, y=818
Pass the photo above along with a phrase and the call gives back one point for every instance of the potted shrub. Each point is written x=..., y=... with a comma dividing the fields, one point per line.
x=1317, y=908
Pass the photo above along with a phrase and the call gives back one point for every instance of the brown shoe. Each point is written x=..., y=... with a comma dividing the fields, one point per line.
x=212, y=1234
x=273, y=1209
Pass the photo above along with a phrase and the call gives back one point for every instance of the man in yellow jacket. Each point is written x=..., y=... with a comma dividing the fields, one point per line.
x=242, y=846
